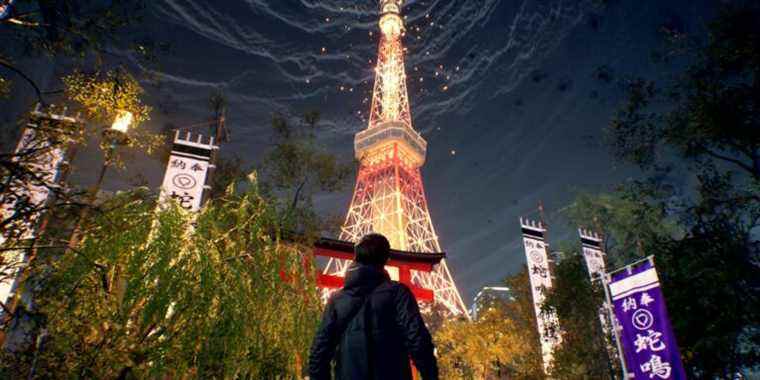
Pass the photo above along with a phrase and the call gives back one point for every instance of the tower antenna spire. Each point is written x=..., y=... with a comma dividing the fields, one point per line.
x=390, y=98
x=389, y=197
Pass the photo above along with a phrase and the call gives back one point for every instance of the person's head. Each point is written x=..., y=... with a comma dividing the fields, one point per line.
x=373, y=249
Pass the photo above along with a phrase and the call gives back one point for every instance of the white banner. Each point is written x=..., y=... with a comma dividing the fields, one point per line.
x=25, y=197
x=591, y=243
x=186, y=172
x=540, y=281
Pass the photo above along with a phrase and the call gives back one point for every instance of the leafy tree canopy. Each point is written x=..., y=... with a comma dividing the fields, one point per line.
x=157, y=293
x=502, y=343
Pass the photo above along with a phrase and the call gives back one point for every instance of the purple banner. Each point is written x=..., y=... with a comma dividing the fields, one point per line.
x=647, y=338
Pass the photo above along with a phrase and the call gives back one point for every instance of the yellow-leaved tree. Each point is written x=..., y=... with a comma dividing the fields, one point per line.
x=501, y=343
x=102, y=96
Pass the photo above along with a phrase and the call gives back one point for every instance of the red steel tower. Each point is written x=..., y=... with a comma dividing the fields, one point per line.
x=389, y=197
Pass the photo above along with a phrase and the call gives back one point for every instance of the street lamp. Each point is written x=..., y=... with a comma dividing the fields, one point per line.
x=115, y=135
x=122, y=121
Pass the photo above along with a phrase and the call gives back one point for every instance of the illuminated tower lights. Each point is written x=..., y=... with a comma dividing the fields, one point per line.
x=389, y=197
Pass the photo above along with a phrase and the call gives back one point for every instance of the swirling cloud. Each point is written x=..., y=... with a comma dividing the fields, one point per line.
x=322, y=52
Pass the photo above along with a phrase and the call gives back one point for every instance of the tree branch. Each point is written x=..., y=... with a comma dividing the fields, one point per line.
x=734, y=161
x=20, y=73
x=297, y=194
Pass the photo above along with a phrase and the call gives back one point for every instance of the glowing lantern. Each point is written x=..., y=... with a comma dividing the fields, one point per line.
x=122, y=121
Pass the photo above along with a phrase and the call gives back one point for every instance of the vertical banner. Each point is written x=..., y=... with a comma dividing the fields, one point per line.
x=24, y=197
x=536, y=252
x=591, y=243
x=594, y=255
x=648, y=342
x=185, y=178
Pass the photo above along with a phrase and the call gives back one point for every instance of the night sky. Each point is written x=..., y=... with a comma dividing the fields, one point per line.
x=511, y=95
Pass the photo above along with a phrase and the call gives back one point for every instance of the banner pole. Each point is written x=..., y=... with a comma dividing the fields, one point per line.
x=633, y=264
x=613, y=320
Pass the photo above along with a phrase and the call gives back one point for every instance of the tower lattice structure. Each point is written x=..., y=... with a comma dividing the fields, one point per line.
x=389, y=197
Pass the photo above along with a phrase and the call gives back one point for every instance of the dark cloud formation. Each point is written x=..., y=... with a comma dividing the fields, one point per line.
x=512, y=96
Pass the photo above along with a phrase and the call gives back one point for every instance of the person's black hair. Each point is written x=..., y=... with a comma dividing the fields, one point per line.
x=373, y=249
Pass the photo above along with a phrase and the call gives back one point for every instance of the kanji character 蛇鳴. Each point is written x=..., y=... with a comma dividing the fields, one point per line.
x=651, y=341
x=656, y=367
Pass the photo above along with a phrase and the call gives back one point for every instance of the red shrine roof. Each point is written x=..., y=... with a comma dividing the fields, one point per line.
x=404, y=261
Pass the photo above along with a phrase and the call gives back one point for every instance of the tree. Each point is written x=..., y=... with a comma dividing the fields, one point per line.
x=82, y=30
x=632, y=219
x=501, y=343
x=101, y=97
x=86, y=32
x=22, y=173
x=713, y=299
x=584, y=349
x=706, y=117
x=228, y=172
x=706, y=260
x=161, y=293
x=297, y=167
x=711, y=106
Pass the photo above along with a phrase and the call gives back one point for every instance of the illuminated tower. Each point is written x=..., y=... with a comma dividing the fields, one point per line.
x=389, y=197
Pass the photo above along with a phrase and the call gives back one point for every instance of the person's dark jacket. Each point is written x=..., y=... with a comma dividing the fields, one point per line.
x=398, y=331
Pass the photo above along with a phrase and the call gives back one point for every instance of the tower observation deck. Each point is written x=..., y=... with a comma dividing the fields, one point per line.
x=389, y=197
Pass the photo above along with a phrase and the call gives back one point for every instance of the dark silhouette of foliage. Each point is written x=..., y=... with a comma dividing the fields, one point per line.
x=705, y=251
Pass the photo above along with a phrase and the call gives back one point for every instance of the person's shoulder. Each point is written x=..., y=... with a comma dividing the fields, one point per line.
x=337, y=296
x=335, y=299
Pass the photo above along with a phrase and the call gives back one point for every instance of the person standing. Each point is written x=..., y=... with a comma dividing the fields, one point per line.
x=373, y=326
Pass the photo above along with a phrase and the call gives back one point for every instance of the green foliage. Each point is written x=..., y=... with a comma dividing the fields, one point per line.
x=161, y=293
x=84, y=30
x=228, y=172
x=583, y=353
x=102, y=96
x=707, y=261
x=298, y=162
x=703, y=241
x=709, y=113
x=712, y=285
x=631, y=219
x=501, y=343
x=297, y=167
x=708, y=271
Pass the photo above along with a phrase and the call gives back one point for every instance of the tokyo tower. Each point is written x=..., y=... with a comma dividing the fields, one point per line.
x=389, y=197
